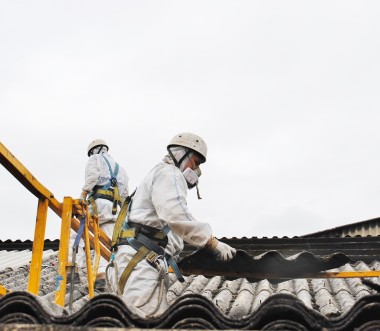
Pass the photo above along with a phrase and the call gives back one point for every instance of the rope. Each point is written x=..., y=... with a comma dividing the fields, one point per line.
x=110, y=288
x=160, y=283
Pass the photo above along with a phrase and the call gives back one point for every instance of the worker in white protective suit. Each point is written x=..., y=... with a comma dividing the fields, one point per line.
x=105, y=188
x=160, y=203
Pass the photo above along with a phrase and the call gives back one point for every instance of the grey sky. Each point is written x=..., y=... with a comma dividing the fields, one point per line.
x=286, y=94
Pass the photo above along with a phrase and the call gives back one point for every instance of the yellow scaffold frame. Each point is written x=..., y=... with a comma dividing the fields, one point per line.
x=3, y=291
x=94, y=236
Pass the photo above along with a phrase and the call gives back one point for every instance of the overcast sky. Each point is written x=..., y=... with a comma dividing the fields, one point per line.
x=285, y=93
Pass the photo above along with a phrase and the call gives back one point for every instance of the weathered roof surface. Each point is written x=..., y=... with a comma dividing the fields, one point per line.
x=281, y=311
x=239, y=298
x=12, y=260
x=364, y=228
x=339, y=304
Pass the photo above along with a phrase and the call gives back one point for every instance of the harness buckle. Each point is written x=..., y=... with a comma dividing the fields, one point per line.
x=128, y=233
x=152, y=257
x=113, y=181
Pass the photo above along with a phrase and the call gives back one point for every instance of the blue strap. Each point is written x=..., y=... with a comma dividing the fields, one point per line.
x=165, y=229
x=175, y=268
x=116, y=169
x=80, y=231
x=112, y=173
x=142, y=240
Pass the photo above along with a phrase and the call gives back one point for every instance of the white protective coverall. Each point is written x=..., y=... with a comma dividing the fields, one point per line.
x=160, y=200
x=97, y=174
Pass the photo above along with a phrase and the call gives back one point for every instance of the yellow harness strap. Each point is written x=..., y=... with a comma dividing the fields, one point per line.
x=119, y=223
x=112, y=194
x=116, y=200
x=140, y=254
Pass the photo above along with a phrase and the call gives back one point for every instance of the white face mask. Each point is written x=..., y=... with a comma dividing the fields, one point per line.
x=192, y=176
x=198, y=171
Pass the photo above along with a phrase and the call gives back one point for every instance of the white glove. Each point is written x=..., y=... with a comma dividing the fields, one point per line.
x=222, y=251
x=83, y=195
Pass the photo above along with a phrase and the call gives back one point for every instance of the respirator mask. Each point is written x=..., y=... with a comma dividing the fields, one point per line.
x=181, y=156
x=192, y=176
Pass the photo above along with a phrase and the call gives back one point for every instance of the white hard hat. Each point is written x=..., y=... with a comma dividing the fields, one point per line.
x=192, y=141
x=95, y=143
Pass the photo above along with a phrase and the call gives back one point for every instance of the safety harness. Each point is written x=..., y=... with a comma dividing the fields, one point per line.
x=110, y=191
x=148, y=242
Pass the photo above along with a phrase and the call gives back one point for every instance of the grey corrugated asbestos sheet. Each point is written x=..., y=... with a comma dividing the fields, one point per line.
x=237, y=298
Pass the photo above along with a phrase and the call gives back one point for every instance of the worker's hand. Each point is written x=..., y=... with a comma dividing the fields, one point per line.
x=83, y=195
x=222, y=251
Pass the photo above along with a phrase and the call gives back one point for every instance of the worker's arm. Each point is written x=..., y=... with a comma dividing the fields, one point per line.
x=169, y=199
x=92, y=173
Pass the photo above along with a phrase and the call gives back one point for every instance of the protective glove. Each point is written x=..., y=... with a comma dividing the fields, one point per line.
x=83, y=195
x=221, y=251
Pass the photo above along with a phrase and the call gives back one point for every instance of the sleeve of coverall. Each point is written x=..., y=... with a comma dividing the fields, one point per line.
x=92, y=173
x=125, y=191
x=169, y=199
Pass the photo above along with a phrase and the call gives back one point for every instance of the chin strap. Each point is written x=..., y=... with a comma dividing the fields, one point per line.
x=198, y=194
x=178, y=163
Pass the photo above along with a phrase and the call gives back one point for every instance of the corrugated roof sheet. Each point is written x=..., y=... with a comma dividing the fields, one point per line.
x=16, y=259
x=235, y=299
x=239, y=298
x=280, y=311
x=215, y=302
x=364, y=228
x=272, y=265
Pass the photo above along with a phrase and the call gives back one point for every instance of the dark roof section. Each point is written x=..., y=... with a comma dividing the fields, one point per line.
x=365, y=249
x=358, y=248
x=280, y=311
x=18, y=245
x=271, y=265
x=365, y=228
